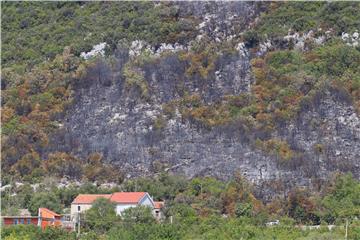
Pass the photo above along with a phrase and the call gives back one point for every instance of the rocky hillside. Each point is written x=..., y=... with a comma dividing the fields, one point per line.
x=271, y=90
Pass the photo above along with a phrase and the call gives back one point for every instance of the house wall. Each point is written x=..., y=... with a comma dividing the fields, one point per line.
x=48, y=219
x=146, y=201
x=10, y=220
x=158, y=214
x=74, y=209
x=121, y=207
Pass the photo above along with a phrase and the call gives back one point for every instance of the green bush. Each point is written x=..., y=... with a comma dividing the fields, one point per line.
x=251, y=38
x=31, y=232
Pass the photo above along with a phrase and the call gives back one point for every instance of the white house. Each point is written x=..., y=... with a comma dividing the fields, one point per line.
x=122, y=201
x=125, y=200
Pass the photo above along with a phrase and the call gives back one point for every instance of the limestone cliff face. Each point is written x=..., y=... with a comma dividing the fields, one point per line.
x=110, y=117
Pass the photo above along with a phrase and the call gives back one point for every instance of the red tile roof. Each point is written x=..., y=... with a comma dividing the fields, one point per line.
x=89, y=198
x=49, y=211
x=118, y=197
x=127, y=197
x=159, y=205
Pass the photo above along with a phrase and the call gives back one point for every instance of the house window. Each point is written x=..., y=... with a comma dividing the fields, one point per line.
x=78, y=208
x=22, y=221
x=15, y=221
x=28, y=221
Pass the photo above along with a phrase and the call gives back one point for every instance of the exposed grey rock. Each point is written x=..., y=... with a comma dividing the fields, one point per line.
x=109, y=118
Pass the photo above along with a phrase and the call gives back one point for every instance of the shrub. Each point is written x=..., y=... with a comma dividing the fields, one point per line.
x=134, y=78
x=62, y=164
x=251, y=38
x=243, y=210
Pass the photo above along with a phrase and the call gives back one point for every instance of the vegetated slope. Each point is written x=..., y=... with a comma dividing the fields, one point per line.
x=193, y=88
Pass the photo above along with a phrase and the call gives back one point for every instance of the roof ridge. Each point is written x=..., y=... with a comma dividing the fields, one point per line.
x=50, y=211
x=127, y=197
x=118, y=197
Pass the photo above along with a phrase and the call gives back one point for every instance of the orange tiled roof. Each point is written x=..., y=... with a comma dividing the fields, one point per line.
x=127, y=197
x=89, y=198
x=49, y=211
x=158, y=205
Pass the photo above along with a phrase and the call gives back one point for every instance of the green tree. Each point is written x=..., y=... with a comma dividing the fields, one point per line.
x=139, y=214
x=46, y=200
x=343, y=201
x=101, y=216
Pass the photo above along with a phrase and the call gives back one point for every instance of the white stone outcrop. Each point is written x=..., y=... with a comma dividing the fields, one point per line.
x=97, y=50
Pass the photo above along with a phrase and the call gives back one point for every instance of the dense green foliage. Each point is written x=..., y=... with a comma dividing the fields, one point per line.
x=209, y=228
x=205, y=208
x=30, y=232
x=344, y=199
x=300, y=17
x=33, y=32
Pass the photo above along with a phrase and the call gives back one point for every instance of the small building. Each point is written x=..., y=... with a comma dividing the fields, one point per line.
x=15, y=220
x=122, y=201
x=49, y=218
x=23, y=217
x=157, y=211
x=44, y=219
